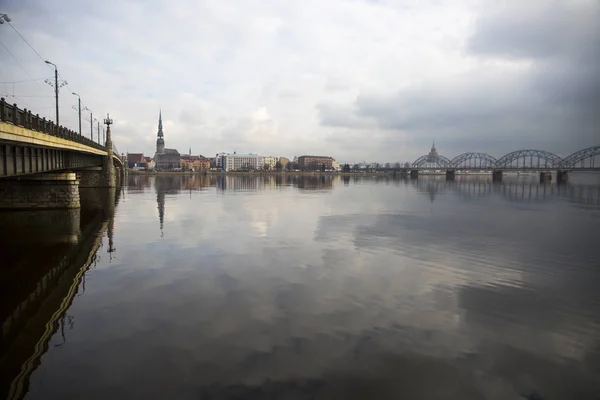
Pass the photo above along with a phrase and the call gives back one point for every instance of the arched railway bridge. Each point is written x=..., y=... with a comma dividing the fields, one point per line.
x=527, y=160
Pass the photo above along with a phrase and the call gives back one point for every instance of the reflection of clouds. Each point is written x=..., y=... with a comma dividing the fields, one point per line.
x=360, y=282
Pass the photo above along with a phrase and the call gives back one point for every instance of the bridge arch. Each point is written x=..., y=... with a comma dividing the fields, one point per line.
x=473, y=160
x=529, y=159
x=578, y=159
x=431, y=162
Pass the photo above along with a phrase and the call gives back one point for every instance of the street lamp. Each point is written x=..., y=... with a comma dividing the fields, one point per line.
x=91, y=122
x=98, y=132
x=79, y=110
x=108, y=122
x=56, y=87
x=93, y=129
x=4, y=17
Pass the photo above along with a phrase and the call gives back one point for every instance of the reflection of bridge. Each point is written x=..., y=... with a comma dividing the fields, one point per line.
x=520, y=160
x=512, y=191
x=41, y=275
x=42, y=165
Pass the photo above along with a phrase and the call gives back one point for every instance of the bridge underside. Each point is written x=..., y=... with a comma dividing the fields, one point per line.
x=18, y=160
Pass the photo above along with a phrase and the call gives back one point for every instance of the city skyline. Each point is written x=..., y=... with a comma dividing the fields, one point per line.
x=362, y=80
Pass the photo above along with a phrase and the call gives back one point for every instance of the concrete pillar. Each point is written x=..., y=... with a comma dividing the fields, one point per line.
x=450, y=175
x=497, y=175
x=562, y=176
x=414, y=174
x=48, y=190
x=545, y=177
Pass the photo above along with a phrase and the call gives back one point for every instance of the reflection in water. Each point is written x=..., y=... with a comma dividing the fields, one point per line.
x=38, y=287
x=315, y=287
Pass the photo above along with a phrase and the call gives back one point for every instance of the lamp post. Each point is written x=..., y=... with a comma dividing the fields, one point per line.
x=79, y=110
x=108, y=122
x=4, y=17
x=91, y=122
x=92, y=128
x=99, y=132
x=56, y=87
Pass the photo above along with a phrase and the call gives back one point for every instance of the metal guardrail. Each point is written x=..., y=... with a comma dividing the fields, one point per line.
x=12, y=114
x=116, y=152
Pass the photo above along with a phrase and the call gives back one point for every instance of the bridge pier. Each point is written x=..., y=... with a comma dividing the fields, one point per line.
x=497, y=175
x=450, y=174
x=48, y=190
x=545, y=177
x=98, y=177
x=562, y=176
x=414, y=174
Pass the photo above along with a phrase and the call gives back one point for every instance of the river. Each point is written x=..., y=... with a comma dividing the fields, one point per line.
x=269, y=287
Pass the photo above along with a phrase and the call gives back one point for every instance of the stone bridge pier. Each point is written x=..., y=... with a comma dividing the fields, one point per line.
x=561, y=176
x=99, y=177
x=39, y=191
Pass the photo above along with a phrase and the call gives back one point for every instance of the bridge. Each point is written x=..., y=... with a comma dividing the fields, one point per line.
x=43, y=165
x=528, y=160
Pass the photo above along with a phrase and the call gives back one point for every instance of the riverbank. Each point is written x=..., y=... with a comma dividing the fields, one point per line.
x=261, y=173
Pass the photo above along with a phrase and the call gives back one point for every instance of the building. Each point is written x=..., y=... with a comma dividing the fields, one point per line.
x=219, y=160
x=335, y=165
x=243, y=162
x=135, y=160
x=284, y=162
x=315, y=162
x=149, y=162
x=194, y=163
x=270, y=162
x=165, y=159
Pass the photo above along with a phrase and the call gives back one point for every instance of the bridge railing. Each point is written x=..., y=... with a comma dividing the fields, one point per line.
x=12, y=114
x=115, y=150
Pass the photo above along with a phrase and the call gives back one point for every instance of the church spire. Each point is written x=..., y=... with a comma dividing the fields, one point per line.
x=160, y=141
x=160, y=131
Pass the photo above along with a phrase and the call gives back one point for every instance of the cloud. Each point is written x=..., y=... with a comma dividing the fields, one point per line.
x=534, y=82
x=478, y=75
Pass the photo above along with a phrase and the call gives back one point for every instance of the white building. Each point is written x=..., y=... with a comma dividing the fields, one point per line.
x=219, y=160
x=271, y=162
x=335, y=165
x=233, y=162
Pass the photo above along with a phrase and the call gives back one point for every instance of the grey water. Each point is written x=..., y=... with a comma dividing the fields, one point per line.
x=306, y=287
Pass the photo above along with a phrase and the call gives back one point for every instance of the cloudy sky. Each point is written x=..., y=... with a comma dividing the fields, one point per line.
x=374, y=80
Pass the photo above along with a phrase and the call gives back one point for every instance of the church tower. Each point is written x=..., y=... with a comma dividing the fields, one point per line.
x=160, y=141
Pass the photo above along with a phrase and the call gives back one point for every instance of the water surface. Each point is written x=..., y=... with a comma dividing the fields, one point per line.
x=306, y=287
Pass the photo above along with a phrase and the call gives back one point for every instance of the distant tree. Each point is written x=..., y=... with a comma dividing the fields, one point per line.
x=406, y=165
x=346, y=168
x=278, y=166
x=397, y=165
x=322, y=167
x=388, y=165
x=376, y=166
x=266, y=167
